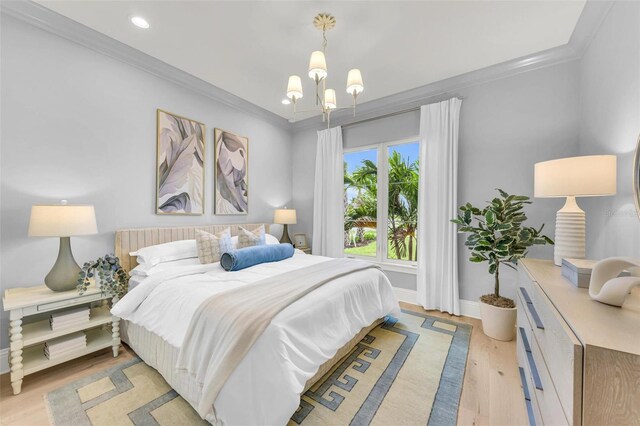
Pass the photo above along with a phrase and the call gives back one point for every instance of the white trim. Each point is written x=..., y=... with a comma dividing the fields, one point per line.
x=4, y=360
x=382, y=159
x=468, y=308
x=409, y=268
x=590, y=20
x=406, y=295
x=39, y=16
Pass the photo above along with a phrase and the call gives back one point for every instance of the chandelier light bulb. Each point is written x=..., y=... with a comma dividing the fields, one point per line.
x=330, y=99
x=354, y=82
x=294, y=88
x=317, y=66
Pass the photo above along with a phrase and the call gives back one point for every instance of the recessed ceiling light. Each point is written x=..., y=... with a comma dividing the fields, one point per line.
x=139, y=22
x=286, y=102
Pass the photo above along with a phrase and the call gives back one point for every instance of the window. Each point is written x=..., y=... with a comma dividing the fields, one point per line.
x=381, y=202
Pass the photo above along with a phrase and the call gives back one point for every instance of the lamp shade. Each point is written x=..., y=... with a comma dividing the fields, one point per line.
x=62, y=220
x=330, y=99
x=317, y=65
x=587, y=176
x=285, y=216
x=354, y=82
x=294, y=88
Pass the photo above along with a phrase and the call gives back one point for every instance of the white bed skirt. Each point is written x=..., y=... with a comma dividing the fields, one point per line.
x=162, y=356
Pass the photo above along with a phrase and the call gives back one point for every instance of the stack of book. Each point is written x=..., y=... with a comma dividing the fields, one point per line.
x=66, y=319
x=65, y=345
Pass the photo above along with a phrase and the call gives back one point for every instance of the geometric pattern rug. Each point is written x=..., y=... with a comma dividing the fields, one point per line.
x=408, y=370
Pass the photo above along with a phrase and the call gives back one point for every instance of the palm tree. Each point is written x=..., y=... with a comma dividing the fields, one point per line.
x=403, y=206
x=361, y=212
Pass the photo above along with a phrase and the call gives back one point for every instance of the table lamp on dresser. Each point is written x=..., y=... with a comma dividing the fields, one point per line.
x=64, y=221
x=587, y=176
x=285, y=217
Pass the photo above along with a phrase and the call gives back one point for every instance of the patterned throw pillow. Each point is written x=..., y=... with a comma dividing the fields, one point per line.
x=249, y=238
x=211, y=247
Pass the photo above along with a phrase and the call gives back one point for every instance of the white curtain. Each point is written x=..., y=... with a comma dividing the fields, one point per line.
x=328, y=203
x=437, y=205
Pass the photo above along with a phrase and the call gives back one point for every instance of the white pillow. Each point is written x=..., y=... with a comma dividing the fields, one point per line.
x=148, y=270
x=269, y=239
x=166, y=252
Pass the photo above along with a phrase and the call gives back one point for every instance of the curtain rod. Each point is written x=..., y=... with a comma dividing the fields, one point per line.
x=391, y=114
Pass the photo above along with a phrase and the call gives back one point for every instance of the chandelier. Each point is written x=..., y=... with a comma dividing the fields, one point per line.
x=325, y=98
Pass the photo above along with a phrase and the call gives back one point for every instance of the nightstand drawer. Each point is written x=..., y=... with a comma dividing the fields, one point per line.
x=69, y=302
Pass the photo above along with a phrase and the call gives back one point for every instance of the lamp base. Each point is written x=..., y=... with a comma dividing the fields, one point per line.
x=64, y=274
x=570, y=232
x=285, y=235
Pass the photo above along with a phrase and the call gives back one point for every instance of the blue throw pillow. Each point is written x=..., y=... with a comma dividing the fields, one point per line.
x=236, y=260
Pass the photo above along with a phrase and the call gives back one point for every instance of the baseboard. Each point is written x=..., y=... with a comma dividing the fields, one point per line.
x=4, y=360
x=468, y=308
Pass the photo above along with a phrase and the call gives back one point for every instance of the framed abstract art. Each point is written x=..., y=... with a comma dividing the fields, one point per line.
x=231, y=169
x=180, y=165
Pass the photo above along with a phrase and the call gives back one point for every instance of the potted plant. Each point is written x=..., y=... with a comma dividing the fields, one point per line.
x=109, y=276
x=497, y=235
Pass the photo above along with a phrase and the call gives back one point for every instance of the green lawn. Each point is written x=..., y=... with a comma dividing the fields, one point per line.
x=370, y=250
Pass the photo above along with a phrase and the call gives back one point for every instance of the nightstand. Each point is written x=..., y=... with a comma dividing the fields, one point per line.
x=306, y=250
x=27, y=339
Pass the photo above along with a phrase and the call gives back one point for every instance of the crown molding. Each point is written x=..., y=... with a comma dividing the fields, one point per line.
x=442, y=89
x=54, y=23
x=590, y=20
x=587, y=26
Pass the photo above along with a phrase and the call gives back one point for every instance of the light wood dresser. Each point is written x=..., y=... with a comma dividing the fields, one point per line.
x=29, y=329
x=579, y=359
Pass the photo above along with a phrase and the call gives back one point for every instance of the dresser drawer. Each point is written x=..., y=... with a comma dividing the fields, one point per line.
x=559, y=349
x=531, y=402
x=541, y=384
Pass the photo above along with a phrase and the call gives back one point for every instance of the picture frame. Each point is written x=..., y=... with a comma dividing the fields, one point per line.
x=300, y=241
x=180, y=160
x=231, y=169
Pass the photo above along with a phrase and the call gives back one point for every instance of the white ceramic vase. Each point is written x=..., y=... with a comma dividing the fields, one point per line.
x=498, y=323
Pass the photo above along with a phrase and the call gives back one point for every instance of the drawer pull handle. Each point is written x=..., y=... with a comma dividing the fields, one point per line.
x=532, y=363
x=532, y=309
x=527, y=398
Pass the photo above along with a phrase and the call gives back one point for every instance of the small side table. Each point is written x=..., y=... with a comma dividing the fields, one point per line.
x=305, y=250
x=27, y=339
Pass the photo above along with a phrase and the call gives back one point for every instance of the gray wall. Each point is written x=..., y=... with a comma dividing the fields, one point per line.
x=81, y=126
x=506, y=126
x=610, y=124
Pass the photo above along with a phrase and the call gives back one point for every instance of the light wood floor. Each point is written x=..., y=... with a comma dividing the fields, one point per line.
x=491, y=393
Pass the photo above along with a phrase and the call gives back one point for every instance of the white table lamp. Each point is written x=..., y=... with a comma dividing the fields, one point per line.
x=285, y=217
x=63, y=221
x=588, y=176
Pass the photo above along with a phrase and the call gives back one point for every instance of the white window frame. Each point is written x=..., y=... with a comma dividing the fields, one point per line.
x=382, y=158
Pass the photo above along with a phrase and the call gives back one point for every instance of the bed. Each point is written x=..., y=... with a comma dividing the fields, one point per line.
x=297, y=348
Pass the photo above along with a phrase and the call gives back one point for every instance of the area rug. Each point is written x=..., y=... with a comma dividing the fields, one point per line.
x=408, y=370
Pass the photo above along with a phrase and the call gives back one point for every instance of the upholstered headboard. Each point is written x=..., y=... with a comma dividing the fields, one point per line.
x=128, y=240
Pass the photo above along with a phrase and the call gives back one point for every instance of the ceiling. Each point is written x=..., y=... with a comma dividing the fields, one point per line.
x=250, y=48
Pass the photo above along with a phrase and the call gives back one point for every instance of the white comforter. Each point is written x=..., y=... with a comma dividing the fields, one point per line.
x=266, y=386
